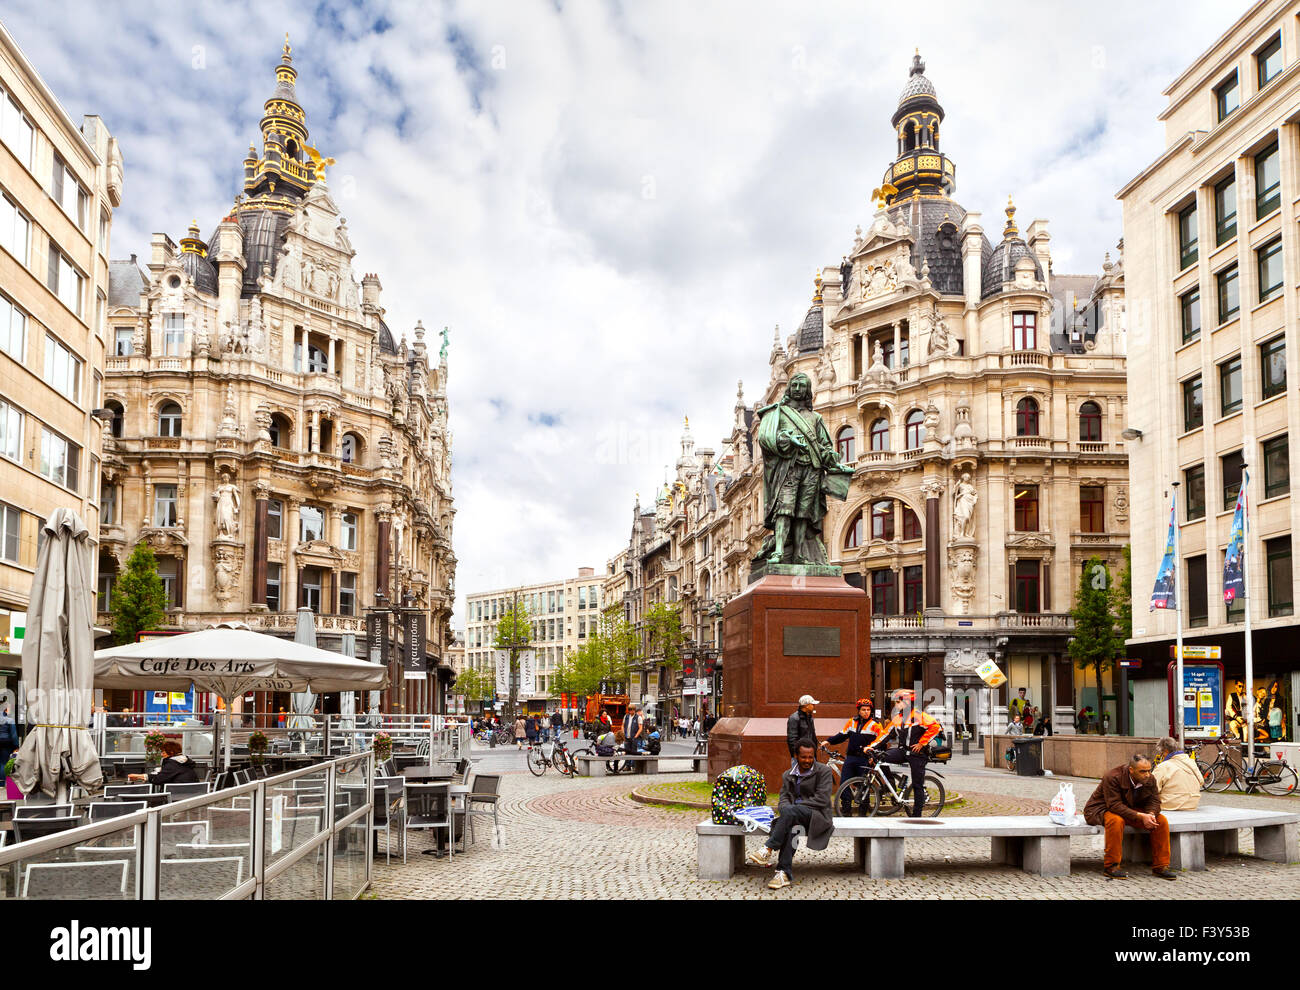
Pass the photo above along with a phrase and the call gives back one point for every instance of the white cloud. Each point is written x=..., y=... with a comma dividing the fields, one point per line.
x=611, y=205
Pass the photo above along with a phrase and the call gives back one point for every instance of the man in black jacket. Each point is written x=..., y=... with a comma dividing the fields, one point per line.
x=800, y=724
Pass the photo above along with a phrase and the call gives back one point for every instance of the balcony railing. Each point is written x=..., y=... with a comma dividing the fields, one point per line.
x=269, y=622
x=1032, y=443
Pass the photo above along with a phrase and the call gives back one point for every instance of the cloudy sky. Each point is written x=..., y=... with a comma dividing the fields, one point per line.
x=611, y=204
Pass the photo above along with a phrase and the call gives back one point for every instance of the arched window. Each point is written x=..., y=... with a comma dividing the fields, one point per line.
x=914, y=423
x=853, y=535
x=880, y=434
x=279, y=430
x=882, y=520
x=845, y=442
x=1090, y=422
x=350, y=448
x=1026, y=418
x=169, y=420
x=672, y=588
x=909, y=136
x=911, y=525
x=117, y=423
x=706, y=586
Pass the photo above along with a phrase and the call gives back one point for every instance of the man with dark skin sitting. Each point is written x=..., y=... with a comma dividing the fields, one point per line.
x=1127, y=796
x=804, y=808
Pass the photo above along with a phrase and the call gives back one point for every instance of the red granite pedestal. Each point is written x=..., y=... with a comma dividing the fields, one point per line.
x=784, y=637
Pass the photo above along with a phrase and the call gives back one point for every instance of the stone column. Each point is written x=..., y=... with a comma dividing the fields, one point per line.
x=329, y=357
x=314, y=416
x=896, y=363
x=302, y=348
x=933, y=490
x=383, y=531
x=289, y=577
x=261, y=508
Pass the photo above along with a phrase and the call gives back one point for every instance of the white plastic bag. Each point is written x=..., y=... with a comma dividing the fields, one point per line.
x=1061, y=811
x=757, y=818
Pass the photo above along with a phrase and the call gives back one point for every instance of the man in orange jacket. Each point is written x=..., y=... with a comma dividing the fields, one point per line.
x=860, y=732
x=907, y=737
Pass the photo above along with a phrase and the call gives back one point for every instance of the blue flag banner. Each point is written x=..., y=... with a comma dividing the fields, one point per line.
x=1164, y=595
x=1234, y=577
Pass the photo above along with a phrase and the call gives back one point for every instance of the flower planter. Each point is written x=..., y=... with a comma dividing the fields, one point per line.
x=12, y=792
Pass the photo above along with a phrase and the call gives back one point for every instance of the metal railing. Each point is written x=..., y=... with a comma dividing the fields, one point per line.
x=300, y=835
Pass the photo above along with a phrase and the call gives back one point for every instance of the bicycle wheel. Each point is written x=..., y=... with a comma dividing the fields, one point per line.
x=856, y=798
x=537, y=762
x=562, y=764
x=934, y=797
x=889, y=802
x=1205, y=770
x=1284, y=784
x=1221, y=777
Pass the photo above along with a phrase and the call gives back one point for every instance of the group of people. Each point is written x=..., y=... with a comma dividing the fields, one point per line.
x=1269, y=712
x=1024, y=719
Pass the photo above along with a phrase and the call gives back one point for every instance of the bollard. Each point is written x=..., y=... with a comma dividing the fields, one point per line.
x=965, y=744
x=492, y=740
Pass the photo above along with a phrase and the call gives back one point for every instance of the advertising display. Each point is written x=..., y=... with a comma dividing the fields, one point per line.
x=166, y=706
x=415, y=664
x=1202, y=700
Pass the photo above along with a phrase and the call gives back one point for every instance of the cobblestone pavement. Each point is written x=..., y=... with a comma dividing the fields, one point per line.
x=587, y=838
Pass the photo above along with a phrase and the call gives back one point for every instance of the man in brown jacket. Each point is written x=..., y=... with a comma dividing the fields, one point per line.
x=1127, y=796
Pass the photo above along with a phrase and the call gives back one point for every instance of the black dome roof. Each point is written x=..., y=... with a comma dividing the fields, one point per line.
x=1000, y=265
x=200, y=269
x=936, y=225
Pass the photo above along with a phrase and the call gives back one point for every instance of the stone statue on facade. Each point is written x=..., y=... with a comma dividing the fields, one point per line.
x=227, y=512
x=225, y=573
x=800, y=468
x=964, y=497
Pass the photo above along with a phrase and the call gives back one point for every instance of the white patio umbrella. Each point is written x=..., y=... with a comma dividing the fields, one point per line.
x=304, y=701
x=58, y=667
x=230, y=662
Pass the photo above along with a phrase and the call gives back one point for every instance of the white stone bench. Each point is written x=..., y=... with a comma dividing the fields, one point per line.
x=1031, y=842
x=1213, y=828
x=596, y=766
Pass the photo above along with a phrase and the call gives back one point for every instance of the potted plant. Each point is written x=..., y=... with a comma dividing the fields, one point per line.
x=12, y=792
x=153, y=743
x=257, y=745
x=383, y=746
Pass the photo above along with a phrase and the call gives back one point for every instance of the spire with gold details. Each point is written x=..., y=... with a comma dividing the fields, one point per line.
x=920, y=168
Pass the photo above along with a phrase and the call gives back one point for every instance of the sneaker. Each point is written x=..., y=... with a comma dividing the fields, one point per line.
x=1114, y=873
x=779, y=880
x=1165, y=873
x=762, y=856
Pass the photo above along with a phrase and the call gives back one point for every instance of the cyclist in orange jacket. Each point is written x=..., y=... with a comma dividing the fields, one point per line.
x=860, y=732
x=906, y=737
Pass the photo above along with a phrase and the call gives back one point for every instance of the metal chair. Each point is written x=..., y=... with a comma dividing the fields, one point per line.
x=118, y=790
x=485, y=792
x=390, y=794
x=203, y=877
x=36, y=828
x=99, y=810
x=74, y=881
x=28, y=810
x=179, y=792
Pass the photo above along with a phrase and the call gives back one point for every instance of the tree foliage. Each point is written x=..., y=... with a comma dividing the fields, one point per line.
x=1097, y=639
x=475, y=684
x=1123, y=591
x=514, y=635
x=139, y=599
x=664, y=624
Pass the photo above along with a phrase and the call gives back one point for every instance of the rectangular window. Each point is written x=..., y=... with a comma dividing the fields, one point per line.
x=16, y=130
x=1230, y=386
x=1092, y=509
x=1194, y=482
x=1268, y=63
x=1026, y=500
x=913, y=602
x=1187, y=237
x=123, y=341
x=168, y=571
x=1227, y=96
x=60, y=459
x=1231, y=465
x=11, y=432
x=1024, y=331
x=11, y=520
x=311, y=524
x=1193, y=412
x=1229, y=293
x=1027, y=586
x=1272, y=367
x=104, y=593
x=1190, y=305
x=1198, y=603
x=1225, y=210
x=882, y=520
x=582, y=627
x=1268, y=182
x=15, y=231
x=173, y=333
x=1277, y=466
x=884, y=595
x=349, y=529
x=62, y=369
x=274, y=519
x=347, y=594
x=13, y=330
x=1277, y=557
x=164, y=505
x=102, y=243
x=1268, y=264
x=108, y=505
x=69, y=193
x=63, y=279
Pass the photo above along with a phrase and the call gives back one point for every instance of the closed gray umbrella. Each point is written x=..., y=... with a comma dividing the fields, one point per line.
x=59, y=665
x=303, y=703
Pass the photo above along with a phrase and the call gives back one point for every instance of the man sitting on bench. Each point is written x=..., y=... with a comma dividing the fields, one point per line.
x=804, y=808
x=1127, y=796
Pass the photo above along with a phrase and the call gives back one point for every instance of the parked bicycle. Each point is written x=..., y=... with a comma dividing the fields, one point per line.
x=612, y=765
x=1272, y=776
x=701, y=745
x=876, y=793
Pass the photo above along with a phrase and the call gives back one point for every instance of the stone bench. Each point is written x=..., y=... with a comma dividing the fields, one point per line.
x=596, y=766
x=1033, y=843
x=1213, y=828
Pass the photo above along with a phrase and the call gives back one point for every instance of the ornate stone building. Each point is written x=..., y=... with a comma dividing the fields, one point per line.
x=980, y=397
x=269, y=438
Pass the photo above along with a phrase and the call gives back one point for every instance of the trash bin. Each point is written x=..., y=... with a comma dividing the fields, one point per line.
x=1029, y=756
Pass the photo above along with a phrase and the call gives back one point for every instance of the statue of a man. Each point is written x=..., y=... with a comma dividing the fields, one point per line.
x=800, y=468
x=963, y=509
x=227, y=498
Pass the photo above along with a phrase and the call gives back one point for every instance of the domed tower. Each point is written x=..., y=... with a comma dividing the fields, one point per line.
x=281, y=169
x=920, y=168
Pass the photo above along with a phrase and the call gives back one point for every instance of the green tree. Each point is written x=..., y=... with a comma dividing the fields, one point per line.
x=139, y=599
x=617, y=645
x=514, y=634
x=664, y=624
x=1097, y=639
x=1124, y=596
x=475, y=684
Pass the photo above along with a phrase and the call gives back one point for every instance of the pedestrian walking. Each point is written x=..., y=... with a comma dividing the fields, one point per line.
x=521, y=730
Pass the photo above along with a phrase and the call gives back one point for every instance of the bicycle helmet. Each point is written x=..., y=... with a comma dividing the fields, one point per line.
x=864, y=703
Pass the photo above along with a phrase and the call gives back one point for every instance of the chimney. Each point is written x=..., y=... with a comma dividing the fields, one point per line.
x=371, y=291
x=229, y=259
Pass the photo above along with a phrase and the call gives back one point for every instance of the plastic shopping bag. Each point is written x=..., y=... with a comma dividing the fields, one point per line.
x=756, y=819
x=1061, y=811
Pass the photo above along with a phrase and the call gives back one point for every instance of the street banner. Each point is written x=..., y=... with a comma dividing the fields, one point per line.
x=527, y=673
x=415, y=643
x=1165, y=594
x=377, y=637
x=1234, y=580
x=991, y=674
x=501, y=659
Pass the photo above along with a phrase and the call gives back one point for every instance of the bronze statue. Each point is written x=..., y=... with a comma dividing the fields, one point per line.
x=800, y=468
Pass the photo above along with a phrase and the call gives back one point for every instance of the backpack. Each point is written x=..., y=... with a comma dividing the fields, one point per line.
x=736, y=788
